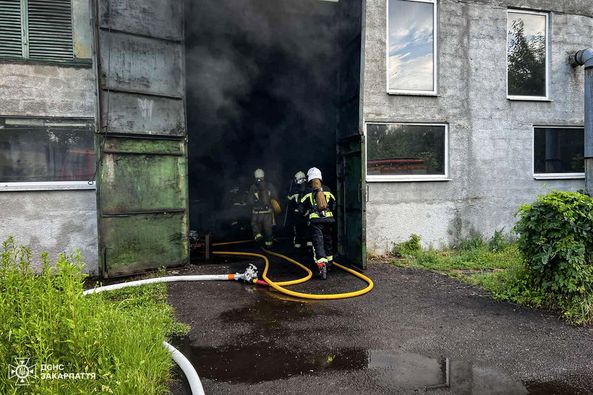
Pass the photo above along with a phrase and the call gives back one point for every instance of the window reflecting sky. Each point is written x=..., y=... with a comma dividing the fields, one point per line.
x=534, y=25
x=410, y=52
x=526, y=54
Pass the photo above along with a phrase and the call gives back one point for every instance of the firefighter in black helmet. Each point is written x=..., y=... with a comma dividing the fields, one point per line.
x=296, y=219
x=318, y=206
x=262, y=197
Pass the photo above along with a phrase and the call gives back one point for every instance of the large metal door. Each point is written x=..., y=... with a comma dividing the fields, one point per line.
x=350, y=159
x=351, y=201
x=141, y=135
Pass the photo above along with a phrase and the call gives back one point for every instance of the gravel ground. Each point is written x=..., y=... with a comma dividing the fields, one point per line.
x=417, y=331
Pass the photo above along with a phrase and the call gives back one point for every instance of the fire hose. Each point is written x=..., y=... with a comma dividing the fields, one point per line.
x=250, y=276
x=280, y=286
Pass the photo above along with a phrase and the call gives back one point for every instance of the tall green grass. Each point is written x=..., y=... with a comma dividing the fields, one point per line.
x=117, y=336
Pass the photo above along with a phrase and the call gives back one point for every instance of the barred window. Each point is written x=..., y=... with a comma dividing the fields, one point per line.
x=36, y=29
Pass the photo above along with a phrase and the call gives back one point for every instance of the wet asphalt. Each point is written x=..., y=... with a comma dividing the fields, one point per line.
x=416, y=332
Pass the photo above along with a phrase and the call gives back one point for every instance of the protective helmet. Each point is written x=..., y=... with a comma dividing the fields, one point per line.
x=259, y=174
x=300, y=178
x=313, y=173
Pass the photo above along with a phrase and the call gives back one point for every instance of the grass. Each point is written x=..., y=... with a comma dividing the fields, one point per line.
x=470, y=258
x=497, y=266
x=117, y=335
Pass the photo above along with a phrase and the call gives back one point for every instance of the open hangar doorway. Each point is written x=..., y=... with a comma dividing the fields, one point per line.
x=273, y=84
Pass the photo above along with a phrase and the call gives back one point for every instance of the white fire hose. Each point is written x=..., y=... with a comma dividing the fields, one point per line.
x=250, y=276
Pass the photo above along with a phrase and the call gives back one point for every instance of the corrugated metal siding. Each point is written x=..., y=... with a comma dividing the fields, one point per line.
x=50, y=29
x=10, y=28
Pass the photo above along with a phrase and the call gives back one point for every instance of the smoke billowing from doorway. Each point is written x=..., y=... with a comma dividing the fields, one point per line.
x=261, y=81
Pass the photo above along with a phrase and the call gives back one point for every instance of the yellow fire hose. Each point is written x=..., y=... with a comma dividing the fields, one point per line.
x=279, y=286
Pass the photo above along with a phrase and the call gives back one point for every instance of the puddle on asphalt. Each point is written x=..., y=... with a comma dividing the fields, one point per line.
x=390, y=370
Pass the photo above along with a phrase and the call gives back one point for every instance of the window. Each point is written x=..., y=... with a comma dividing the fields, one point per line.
x=406, y=152
x=46, y=154
x=36, y=29
x=527, y=55
x=412, y=47
x=558, y=152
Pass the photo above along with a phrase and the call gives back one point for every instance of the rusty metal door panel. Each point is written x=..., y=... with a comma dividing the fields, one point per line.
x=142, y=154
x=142, y=176
x=135, y=243
x=142, y=114
x=141, y=65
x=153, y=18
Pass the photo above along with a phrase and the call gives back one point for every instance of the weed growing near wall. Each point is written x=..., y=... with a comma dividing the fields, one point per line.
x=58, y=341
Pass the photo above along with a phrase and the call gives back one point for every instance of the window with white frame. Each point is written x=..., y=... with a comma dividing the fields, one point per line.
x=58, y=152
x=412, y=47
x=558, y=152
x=406, y=151
x=36, y=30
x=527, y=55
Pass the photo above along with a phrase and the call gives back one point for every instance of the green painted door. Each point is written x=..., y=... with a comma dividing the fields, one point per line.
x=141, y=136
x=351, y=201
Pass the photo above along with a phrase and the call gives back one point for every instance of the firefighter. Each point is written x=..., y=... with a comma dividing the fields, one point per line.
x=318, y=206
x=261, y=197
x=297, y=221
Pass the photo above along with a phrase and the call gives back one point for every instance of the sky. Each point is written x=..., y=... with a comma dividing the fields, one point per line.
x=410, y=55
x=533, y=25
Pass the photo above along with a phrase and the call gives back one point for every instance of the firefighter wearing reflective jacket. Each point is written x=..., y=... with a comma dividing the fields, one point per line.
x=261, y=198
x=296, y=219
x=318, y=206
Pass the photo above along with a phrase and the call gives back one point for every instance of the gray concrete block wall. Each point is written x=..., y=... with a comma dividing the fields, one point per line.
x=52, y=221
x=490, y=137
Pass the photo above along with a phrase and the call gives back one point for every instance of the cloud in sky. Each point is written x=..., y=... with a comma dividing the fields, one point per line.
x=411, y=40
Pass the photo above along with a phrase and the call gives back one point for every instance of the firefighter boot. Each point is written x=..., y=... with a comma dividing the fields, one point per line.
x=322, y=266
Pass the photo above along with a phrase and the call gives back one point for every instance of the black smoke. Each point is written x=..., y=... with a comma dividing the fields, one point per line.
x=261, y=81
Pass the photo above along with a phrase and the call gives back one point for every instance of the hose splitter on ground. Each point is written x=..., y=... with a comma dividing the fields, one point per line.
x=250, y=275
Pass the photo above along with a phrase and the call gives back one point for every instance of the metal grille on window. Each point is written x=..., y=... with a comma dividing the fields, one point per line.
x=10, y=29
x=50, y=29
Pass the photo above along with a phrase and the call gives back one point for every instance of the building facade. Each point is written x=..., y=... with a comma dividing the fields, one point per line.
x=495, y=149
x=469, y=109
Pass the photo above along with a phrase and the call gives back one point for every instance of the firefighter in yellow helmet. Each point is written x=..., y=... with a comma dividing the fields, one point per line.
x=261, y=199
x=318, y=205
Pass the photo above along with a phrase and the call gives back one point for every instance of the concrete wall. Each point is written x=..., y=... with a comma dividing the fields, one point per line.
x=53, y=221
x=490, y=137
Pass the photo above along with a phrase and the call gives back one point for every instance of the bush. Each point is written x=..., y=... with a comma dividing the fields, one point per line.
x=45, y=317
x=556, y=242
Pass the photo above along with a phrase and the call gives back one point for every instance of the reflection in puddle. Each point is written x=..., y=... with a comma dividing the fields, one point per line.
x=254, y=364
x=390, y=370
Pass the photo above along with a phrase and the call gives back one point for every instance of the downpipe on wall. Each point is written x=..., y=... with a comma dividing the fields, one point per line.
x=585, y=58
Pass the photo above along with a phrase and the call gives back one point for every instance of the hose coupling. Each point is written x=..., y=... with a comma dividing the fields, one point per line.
x=248, y=275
